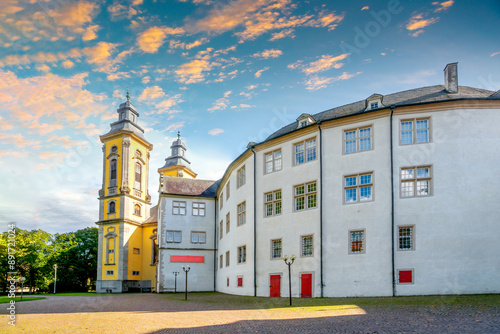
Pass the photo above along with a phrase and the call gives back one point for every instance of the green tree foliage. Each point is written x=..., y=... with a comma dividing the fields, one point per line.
x=37, y=251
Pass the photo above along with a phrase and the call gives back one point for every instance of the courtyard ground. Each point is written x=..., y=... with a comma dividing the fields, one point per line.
x=219, y=313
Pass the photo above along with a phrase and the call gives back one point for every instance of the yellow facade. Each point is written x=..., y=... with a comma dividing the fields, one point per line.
x=110, y=261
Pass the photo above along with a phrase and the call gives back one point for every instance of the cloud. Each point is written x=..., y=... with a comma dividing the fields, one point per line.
x=365, y=8
x=259, y=72
x=17, y=140
x=192, y=72
x=175, y=44
x=90, y=33
x=165, y=106
x=63, y=141
x=175, y=126
x=417, y=21
x=282, y=34
x=68, y=64
x=316, y=82
x=151, y=93
x=215, y=132
x=220, y=104
x=75, y=14
x=153, y=38
x=495, y=54
x=272, y=53
x=443, y=6
x=43, y=68
x=326, y=62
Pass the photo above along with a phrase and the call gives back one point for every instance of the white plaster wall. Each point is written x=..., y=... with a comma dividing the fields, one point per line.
x=238, y=235
x=290, y=226
x=457, y=228
x=368, y=274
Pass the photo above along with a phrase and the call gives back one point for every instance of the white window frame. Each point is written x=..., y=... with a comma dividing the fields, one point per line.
x=273, y=249
x=274, y=163
x=363, y=242
x=242, y=213
x=411, y=237
x=357, y=139
x=198, y=209
x=415, y=181
x=358, y=187
x=273, y=205
x=414, y=130
x=228, y=222
x=307, y=194
x=174, y=234
x=195, y=237
x=302, y=245
x=241, y=177
x=242, y=254
x=304, y=151
x=228, y=190
x=179, y=208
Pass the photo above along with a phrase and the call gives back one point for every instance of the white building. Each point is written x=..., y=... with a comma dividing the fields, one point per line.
x=392, y=195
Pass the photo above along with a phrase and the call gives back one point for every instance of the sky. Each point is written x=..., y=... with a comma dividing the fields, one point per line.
x=222, y=72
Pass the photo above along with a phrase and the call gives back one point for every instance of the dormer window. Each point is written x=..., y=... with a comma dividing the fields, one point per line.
x=305, y=120
x=303, y=123
x=373, y=105
x=374, y=102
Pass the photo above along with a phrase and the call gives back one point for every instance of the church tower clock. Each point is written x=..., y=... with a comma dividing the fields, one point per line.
x=124, y=203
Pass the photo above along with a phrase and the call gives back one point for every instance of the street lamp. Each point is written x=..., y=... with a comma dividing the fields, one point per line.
x=55, y=277
x=186, y=270
x=22, y=280
x=175, y=286
x=289, y=262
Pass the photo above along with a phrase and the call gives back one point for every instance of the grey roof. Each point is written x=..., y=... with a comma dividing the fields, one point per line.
x=177, y=161
x=153, y=215
x=409, y=97
x=190, y=187
x=126, y=124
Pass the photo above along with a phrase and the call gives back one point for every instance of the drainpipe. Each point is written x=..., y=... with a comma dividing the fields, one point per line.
x=321, y=203
x=215, y=242
x=254, y=223
x=392, y=207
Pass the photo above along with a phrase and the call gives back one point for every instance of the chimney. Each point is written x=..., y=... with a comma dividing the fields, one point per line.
x=451, y=78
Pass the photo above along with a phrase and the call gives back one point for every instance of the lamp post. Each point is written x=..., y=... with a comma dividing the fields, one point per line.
x=22, y=279
x=186, y=270
x=55, y=277
x=175, y=286
x=289, y=262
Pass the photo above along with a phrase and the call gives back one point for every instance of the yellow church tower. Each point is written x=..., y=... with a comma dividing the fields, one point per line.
x=127, y=239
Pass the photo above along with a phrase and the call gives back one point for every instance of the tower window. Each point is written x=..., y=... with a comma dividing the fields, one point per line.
x=137, y=210
x=114, y=149
x=112, y=207
x=138, y=176
x=112, y=174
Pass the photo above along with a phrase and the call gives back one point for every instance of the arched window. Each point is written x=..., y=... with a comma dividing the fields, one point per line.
x=112, y=207
x=138, y=176
x=112, y=174
x=154, y=247
x=137, y=210
x=110, y=250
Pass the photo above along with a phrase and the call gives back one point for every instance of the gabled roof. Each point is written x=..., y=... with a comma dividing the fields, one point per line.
x=409, y=97
x=153, y=215
x=189, y=187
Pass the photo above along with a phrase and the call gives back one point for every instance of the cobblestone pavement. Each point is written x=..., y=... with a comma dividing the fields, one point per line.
x=216, y=313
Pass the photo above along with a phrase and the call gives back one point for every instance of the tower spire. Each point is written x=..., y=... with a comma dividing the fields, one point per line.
x=128, y=96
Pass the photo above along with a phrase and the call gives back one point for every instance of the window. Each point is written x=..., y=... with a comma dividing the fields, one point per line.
x=221, y=202
x=273, y=161
x=198, y=237
x=137, y=251
x=416, y=181
x=227, y=259
x=174, y=236
x=114, y=149
x=242, y=213
x=221, y=261
x=305, y=151
x=228, y=187
x=240, y=281
x=110, y=272
x=138, y=176
x=135, y=273
x=178, y=208
x=415, y=131
x=405, y=238
x=405, y=276
x=373, y=105
x=228, y=224
x=307, y=245
x=198, y=209
x=357, y=242
x=221, y=230
x=112, y=207
x=305, y=196
x=137, y=210
x=110, y=250
x=242, y=254
x=358, y=188
x=112, y=173
x=303, y=123
x=358, y=140
x=241, y=177
x=272, y=203
x=227, y=281
x=276, y=249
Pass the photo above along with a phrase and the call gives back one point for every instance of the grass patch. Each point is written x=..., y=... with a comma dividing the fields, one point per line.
x=18, y=299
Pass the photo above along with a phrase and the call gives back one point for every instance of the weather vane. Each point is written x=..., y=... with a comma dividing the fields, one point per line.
x=179, y=134
x=128, y=96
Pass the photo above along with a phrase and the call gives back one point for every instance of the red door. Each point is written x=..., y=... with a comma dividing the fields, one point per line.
x=275, y=286
x=306, y=285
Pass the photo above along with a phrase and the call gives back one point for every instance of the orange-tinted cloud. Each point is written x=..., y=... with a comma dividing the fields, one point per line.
x=316, y=82
x=418, y=21
x=193, y=71
x=443, y=6
x=90, y=33
x=151, y=93
x=153, y=38
x=74, y=14
x=215, y=132
x=259, y=72
x=326, y=62
x=268, y=54
x=282, y=34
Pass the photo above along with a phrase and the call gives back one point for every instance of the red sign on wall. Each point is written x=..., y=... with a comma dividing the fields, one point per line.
x=187, y=259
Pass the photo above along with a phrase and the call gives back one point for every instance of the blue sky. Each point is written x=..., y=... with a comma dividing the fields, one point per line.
x=224, y=73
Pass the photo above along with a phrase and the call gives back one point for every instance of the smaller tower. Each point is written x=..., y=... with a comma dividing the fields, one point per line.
x=176, y=164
